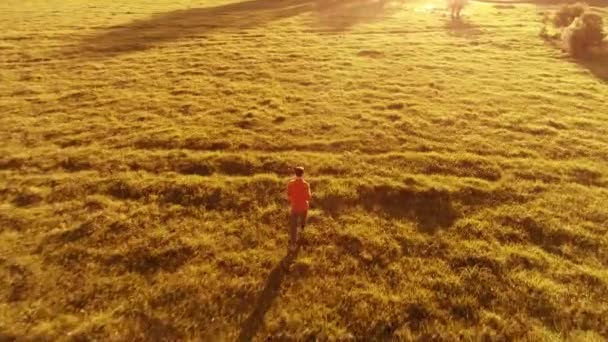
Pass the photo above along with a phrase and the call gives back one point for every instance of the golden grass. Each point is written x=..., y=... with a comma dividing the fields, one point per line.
x=458, y=172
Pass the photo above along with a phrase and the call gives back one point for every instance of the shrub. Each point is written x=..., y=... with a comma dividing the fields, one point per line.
x=584, y=32
x=545, y=32
x=594, y=28
x=579, y=30
x=567, y=13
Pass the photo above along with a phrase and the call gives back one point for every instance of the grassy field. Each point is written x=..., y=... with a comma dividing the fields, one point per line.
x=458, y=169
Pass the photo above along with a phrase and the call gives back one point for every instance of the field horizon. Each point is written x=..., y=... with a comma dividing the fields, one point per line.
x=458, y=171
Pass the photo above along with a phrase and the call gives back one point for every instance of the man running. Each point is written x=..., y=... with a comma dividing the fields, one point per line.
x=456, y=7
x=298, y=191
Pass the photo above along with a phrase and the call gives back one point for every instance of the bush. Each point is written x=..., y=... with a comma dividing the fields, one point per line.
x=583, y=33
x=578, y=29
x=567, y=13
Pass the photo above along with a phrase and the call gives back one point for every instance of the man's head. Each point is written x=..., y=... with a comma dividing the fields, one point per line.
x=299, y=171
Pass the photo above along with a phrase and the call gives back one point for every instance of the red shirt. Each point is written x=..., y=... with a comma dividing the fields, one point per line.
x=298, y=191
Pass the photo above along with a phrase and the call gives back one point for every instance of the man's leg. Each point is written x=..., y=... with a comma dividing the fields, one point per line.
x=293, y=230
x=303, y=218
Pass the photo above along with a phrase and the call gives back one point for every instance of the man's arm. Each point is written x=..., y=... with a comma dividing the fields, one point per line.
x=308, y=193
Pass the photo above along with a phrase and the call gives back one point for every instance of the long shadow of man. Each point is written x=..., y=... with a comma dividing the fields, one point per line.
x=271, y=291
x=187, y=23
x=194, y=23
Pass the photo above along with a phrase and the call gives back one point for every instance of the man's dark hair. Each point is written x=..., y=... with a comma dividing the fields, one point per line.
x=299, y=171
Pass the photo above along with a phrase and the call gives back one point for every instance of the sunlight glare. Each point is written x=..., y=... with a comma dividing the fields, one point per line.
x=427, y=8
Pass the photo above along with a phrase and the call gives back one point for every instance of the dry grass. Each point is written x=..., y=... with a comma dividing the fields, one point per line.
x=458, y=168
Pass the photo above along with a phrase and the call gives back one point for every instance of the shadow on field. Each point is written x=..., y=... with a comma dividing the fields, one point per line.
x=10, y=337
x=460, y=28
x=597, y=65
x=271, y=291
x=596, y=61
x=192, y=23
x=340, y=14
x=431, y=210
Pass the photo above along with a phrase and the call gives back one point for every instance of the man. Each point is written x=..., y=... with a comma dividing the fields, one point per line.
x=298, y=191
x=456, y=7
